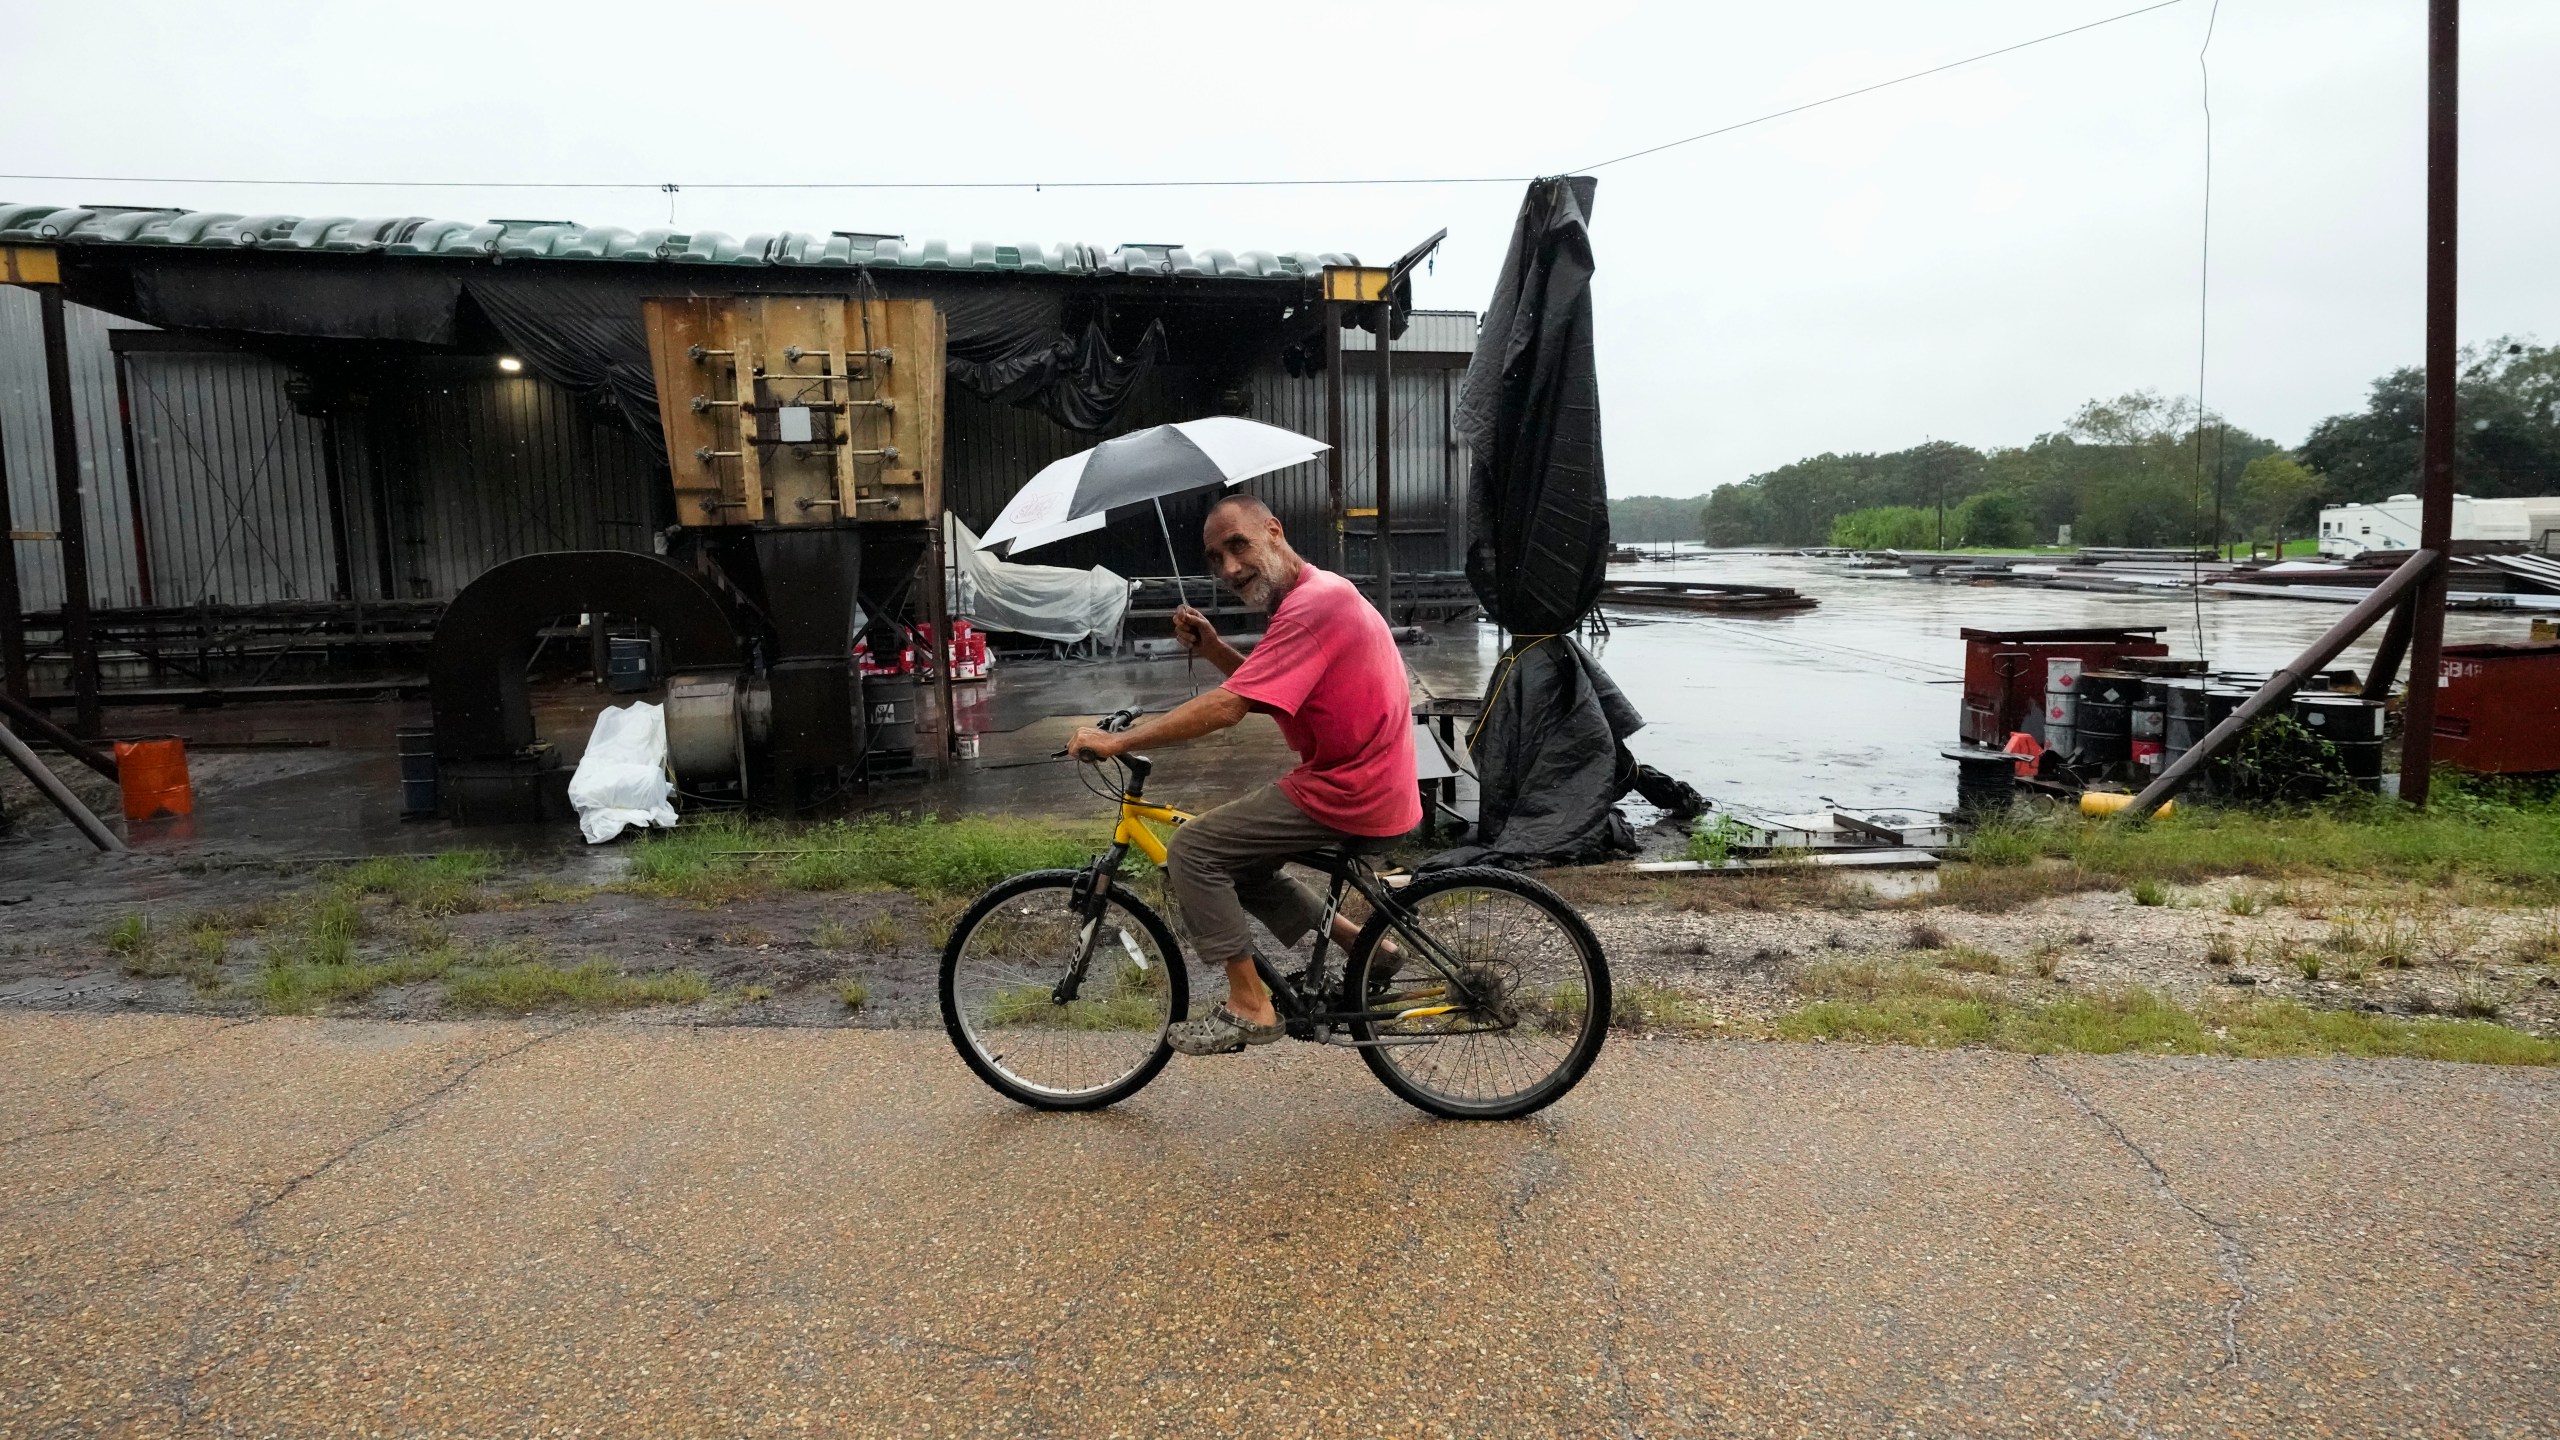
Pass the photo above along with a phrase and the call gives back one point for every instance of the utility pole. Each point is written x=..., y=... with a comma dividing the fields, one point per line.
x=2436, y=466
x=1386, y=468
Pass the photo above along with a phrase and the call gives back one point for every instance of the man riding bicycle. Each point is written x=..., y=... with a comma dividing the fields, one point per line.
x=1327, y=670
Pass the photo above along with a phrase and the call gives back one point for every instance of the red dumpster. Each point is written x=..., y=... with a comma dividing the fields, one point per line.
x=2498, y=708
x=2004, y=672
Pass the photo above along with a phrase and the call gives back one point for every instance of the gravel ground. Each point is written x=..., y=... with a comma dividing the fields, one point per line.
x=1739, y=951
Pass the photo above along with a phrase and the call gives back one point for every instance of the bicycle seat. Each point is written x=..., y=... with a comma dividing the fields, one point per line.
x=1347, y=851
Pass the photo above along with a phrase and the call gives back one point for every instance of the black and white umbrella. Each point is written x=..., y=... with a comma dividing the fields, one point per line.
x=1075, y=495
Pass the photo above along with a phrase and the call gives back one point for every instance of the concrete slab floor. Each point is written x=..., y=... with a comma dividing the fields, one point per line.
x=301, y=1227
x=322, y=779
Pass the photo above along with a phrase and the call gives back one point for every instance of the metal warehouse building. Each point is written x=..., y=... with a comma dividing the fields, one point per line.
x=292, y=426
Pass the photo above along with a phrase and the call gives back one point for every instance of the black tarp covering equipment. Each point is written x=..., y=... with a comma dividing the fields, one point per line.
x=1550, y=746
x=579, y=325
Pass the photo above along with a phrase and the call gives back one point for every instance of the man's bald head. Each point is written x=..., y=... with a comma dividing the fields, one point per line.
x=1248, y=551
x=1248, y=509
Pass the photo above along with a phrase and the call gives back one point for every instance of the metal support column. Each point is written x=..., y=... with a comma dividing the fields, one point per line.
x=1385, y=544
x=71, y=523
x=1333, y=427
x=2436, y=465
x=13, y=617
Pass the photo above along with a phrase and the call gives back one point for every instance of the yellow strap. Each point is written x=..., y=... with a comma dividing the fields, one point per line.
x=1500, y=678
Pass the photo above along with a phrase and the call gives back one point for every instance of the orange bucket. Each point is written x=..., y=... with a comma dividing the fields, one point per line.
x=153, y=775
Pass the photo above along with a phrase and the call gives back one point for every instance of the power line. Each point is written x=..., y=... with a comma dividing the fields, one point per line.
x=1879, y=85
x=1035, y=185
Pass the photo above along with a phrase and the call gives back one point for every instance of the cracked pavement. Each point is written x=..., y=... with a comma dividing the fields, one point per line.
x=292, y=1227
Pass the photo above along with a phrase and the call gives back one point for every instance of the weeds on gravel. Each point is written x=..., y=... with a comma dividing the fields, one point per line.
x=1917, y=1007
x=2001, y=844
x=1968, y=960
x=719, y=860
x=2540, y=946
x=2149, y=892
x=2222, y=949
x=1651, y=1009
x=854, y=993
x=2244, y=902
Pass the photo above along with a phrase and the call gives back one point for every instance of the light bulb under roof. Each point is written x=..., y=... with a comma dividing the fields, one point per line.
x=510, y=364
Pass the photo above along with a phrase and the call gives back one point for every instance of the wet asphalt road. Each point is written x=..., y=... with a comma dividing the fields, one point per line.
x=292, y=1227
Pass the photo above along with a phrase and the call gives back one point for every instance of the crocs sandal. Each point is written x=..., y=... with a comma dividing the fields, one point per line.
x=1223, y=1033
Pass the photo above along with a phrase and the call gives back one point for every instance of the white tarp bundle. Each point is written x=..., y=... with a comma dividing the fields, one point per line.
x=622, y=779
x=1050, y=602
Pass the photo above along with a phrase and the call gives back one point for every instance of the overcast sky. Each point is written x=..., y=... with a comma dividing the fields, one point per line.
x=1967, y=257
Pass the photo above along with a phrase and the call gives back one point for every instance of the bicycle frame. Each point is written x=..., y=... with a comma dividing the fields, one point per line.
x=1298, y=996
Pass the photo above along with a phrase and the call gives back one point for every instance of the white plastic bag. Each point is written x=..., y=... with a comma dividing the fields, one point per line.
x=622, y=779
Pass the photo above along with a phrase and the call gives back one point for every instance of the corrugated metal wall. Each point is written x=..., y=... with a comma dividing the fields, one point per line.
x=1429, y=510
x=458, y=469
x=232, y=482
x=449, y=468
x=990, y=450
x=26, y=444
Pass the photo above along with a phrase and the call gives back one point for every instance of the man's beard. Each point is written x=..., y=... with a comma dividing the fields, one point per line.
x=1259, y=593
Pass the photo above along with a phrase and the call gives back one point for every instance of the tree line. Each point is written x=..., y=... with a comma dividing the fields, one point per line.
x=2139, y=470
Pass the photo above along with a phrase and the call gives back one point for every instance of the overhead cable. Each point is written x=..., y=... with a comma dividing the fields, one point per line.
x=671, y=187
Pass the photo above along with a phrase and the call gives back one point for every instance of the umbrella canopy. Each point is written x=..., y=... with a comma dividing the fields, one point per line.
x=1071, y=496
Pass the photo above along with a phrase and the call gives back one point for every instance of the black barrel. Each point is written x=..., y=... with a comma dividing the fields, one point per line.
x=629, y=667
x=2351, y=723
x=1986, y=784
x=890, y=701
x=2187, y=717
x=2110, y=687
x=2103, y=731
x=417, y=771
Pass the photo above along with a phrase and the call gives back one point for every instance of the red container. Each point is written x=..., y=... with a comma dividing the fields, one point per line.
x=153, y=775
x=2004, y=671
x=2498, y=708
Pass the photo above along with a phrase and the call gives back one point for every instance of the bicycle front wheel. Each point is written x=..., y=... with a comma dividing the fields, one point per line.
x=1015, y=1019
x=1508, y=1013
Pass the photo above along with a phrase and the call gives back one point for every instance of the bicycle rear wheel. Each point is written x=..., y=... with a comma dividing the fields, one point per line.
x=1003, y=1005
x=1523, y=1023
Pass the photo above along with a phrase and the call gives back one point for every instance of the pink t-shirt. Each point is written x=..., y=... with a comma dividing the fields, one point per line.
x=1328, y=671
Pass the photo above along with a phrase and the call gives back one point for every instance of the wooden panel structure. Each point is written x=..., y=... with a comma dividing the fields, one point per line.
x=800, y=409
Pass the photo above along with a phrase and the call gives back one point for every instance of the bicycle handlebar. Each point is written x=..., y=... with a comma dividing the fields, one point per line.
x=1115, y=723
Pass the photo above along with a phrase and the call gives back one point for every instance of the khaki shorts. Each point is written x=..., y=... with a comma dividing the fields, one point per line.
x=1227, y=862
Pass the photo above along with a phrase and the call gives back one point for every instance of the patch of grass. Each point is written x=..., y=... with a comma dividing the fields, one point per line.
x=2148, y=892
x=716, y=861
x=1994, y=889
x=854, y=993
x=446, y=884
x=2504, y=837
x=1712, y=842
x=1659, y=1009
x=831, y=934
x=546, y=892
x=747, y=937
x=881, y=933
x=2046, y=958
x=2308, y=963
x=752, y=994
x=129, y=936
x=1925, y=936
x=2222, y=949
x=2001, y=844
x=1913, y=1007
x=1967, y=960
x=525, y=986
x=2245, y=902
x=1126, y=1009
x=301, y=987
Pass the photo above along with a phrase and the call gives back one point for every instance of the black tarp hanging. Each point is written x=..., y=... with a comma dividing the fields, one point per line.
x=1550, y=747
x=579, y=326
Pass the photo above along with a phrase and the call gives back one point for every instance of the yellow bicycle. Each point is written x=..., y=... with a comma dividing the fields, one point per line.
x=1474, y=993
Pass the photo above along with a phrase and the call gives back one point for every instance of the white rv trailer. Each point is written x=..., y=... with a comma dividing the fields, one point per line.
x=2350, y=530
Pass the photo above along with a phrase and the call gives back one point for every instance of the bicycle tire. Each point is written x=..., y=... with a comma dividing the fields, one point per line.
x=986, y=1065
x=1594, y=1001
